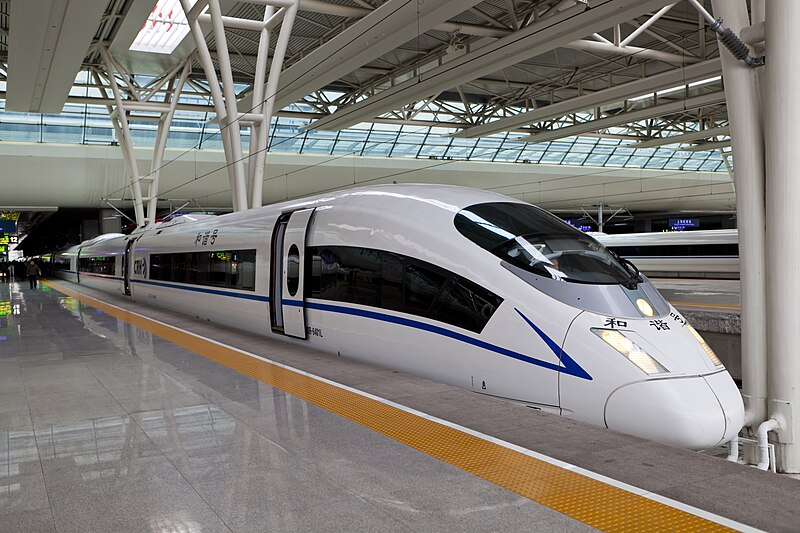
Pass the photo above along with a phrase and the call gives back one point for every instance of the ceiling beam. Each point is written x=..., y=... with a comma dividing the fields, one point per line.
x=540, y=37
x=665, y=80
x=683, y=138
x=707, y=146
x=625, y=118
x=379, y=32
x=47, y=43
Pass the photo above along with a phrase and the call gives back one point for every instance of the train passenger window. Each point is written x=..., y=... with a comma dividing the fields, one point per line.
x=219, y=268
x=243, y=270
x=61, y=263
x=391, y=281
x=160, y=266
x=422, y=286
x=466, y=304
x=104, y=265
x=293, y=270
x=348, y=275
x=234, y=269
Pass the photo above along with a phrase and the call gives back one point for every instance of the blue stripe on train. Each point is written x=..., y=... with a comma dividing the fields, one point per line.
x=568, y=364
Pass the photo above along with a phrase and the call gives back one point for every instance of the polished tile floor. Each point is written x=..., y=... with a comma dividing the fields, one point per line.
x=105, y=427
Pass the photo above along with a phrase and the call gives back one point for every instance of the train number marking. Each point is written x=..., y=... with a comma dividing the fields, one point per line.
x=660, y=325
x=314, y=332
x=205, y=238
x=615, y=322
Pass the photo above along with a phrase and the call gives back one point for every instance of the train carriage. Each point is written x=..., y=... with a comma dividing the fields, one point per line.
x=466, y=287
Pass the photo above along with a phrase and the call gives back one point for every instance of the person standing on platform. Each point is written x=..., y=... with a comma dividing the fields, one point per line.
x=33, y=273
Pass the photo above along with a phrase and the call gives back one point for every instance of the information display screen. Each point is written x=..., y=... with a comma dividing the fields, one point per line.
x=681, y=224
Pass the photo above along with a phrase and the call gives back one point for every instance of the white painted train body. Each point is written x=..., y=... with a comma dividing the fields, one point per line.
x=462, y=286
x=64, y=264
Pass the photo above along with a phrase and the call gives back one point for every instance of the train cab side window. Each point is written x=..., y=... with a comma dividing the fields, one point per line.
x=391, y=281
x=234, y=269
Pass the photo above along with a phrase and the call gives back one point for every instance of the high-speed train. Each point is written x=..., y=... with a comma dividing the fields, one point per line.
x=704, y=254
x=463, y=286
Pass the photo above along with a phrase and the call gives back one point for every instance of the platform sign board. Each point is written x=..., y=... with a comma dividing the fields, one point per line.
x=681, y=224
x=578, y=224
x=8, y=226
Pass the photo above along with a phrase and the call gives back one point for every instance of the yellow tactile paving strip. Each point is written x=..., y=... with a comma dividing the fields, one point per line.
x=582, y=498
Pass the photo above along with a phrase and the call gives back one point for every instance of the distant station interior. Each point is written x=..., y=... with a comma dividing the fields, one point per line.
x=399, y=265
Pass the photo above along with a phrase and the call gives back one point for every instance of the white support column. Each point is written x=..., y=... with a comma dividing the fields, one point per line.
x=782, y=78
x=230, y=122
x=271, y=92
x=120, y=119
x=259, y=131
x=744, y=114
x=213, y=85
x=144, y=187
x=164, y=126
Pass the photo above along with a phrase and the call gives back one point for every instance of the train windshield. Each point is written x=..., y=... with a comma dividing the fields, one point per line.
x=539, y=242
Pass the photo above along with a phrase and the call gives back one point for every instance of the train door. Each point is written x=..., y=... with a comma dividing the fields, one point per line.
x=126, y=267
x=287, y=296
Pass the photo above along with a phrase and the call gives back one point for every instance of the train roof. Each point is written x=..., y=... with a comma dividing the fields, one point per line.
x=390, y=197
x=450, y=197
x=101, y=238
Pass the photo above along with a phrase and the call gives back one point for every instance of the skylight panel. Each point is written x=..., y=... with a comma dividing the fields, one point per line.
x=164, y=29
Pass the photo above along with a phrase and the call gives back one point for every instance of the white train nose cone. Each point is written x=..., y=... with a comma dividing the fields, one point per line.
x=694, y=413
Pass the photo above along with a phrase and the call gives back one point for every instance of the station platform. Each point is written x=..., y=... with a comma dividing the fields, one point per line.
x=120, y=417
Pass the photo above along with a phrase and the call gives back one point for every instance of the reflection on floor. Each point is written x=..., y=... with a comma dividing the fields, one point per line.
x=104, y=427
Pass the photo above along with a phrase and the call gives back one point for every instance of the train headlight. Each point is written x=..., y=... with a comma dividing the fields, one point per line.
x=644, y=307
x=706, y=348
x=632, y=351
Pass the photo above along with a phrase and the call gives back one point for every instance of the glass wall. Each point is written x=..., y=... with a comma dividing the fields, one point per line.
x=90, y=124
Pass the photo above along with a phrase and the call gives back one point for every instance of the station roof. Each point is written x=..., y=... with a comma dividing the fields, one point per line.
x=566, y=82
x=530, y=67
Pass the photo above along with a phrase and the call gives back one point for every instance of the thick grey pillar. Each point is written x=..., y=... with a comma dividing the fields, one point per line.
x=744, y=114
x=782, y=118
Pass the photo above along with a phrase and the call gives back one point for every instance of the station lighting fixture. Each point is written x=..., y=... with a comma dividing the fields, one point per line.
x=683, y=87
x=632, y=351
x=164, y=29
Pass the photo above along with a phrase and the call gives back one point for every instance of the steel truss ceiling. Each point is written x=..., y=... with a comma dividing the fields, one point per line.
x=521, y=69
